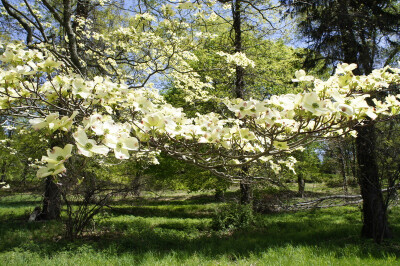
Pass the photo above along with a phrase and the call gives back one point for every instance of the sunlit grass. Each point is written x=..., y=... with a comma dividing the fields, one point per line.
x=177, y=231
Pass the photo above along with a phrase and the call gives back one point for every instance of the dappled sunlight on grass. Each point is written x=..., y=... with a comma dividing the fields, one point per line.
x=179, y=232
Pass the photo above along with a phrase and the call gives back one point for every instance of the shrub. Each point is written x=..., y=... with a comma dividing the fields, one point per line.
x=233, y=216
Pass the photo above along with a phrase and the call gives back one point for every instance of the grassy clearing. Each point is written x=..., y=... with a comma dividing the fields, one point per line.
x=176, y=231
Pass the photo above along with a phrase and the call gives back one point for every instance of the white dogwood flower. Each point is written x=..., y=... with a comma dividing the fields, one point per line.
x=58, y=155
x=121, y=145
x=88, y=147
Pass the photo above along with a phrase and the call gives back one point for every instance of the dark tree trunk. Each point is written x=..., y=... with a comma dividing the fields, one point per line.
x=52, y=201
x=302, y=184
x=246, y=192
x=375, y=223
x=137, y=184
x=51, y=208
x=219, y=195
x=354, y=160
x=237, y=27
x=342, y=163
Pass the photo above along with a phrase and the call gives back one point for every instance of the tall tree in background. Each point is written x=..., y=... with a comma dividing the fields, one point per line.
x=247, y=16
x=272, y=72
x=245, y=185
x=247, y=27
x=360, y=32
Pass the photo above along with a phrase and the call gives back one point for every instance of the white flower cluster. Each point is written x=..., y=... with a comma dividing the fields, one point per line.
x=238, y=59
x=257, y=130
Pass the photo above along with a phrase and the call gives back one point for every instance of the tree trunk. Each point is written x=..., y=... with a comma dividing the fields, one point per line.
x=342, y=163
x=354, y=160
x=52, y=201
x=219, y=195
x=51, y=208
x=375, y=223
x=302, y=184
x=237, y=27
x=246, y=192
x=137, y=184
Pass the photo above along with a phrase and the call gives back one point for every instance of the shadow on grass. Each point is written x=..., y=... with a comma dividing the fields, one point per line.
x=175, y=200
x=18, y=204
x=175, y=212
x=320, y=231
x=326, y=236
x=182, y=228
x=14, y=200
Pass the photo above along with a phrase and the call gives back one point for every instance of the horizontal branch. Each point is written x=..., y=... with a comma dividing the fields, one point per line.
x=315, y=203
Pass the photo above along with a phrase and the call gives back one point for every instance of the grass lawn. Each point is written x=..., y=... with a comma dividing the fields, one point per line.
x=177, y=231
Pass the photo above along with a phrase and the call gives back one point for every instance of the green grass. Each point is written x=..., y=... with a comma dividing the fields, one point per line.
x=177, y=232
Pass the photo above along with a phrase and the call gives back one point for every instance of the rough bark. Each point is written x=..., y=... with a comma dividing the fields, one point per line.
x=375, y=223
x=51, y=209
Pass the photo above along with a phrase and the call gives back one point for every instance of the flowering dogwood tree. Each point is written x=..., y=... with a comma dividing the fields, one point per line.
x=105, y=116
x=92, y=94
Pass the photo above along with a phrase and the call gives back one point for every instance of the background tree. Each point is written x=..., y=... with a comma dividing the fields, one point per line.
x=19, y=154
x=242, y=28
x=354, y=32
